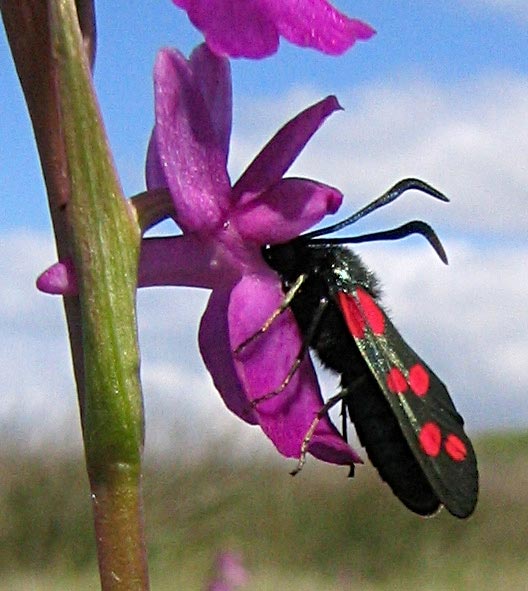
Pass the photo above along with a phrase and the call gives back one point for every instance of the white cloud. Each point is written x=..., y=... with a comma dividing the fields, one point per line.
x=468, y=320
x=184, y=409
x=469, y=139
x=38, y=401
x=517, y=9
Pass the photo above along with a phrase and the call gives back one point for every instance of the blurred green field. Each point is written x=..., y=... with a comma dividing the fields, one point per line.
x=319, y=530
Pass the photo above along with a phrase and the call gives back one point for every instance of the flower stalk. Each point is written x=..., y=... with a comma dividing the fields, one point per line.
x=97, y=228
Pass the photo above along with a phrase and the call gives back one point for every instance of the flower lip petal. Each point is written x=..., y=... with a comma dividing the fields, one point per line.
x=279, y=153
x=286, y=210
x=263, y=364
x=217, y=355
x=328, y=445
x=190, y=152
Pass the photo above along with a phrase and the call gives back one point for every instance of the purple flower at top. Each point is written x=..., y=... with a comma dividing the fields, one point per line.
x=251, y=28
x=224, y=228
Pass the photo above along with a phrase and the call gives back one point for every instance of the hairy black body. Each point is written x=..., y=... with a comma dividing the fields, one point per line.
x=402, y=412
x=330, y=269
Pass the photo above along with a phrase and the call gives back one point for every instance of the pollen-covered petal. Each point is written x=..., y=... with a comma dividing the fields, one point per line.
x=279, y=153
x=216, y=352
x=188, y=148
x=251, y=28
x=264, y=363
x=287, y=209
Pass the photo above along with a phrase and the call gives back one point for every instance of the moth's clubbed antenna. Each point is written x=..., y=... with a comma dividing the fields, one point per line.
x=414, y=227
x=388, y=197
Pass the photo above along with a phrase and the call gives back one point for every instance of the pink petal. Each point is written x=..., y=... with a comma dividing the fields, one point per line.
x=190, y=152
x=287, y=209
x=251, y=28
x=213, y=77
x=236, y=28
x=264, y=363
x=154, y=173
x=279, y=153
x=182, y=260
x=59, y=279
x=172, y=260
x=230, y=568
x=217, y=355
x=317, y=24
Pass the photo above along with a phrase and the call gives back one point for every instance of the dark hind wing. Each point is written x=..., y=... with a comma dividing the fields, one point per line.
x=380, y=434
x=419, y=401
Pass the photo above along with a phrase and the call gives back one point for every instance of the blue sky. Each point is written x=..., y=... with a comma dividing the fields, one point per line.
x=446, y=42
x=441, y=92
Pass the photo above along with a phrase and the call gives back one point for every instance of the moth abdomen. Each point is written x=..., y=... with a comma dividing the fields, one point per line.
x=381, y=436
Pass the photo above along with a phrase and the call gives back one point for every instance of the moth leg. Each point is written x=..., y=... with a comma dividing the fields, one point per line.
x=344, y=425
x=285, y=304
x=307, y=339
x=330, y=403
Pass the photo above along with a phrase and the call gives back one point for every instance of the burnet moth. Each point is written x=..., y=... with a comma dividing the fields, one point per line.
x=402, y=412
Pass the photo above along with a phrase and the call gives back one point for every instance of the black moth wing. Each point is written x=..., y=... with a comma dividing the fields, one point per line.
x=420, y=402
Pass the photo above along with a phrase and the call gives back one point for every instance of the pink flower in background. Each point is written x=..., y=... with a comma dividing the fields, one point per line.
x=229, y=573
x=224, y=228
x=251, y=28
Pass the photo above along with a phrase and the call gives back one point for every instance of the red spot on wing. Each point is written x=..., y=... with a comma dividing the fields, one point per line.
x=396, y=381
x=430, y=438
x=419, y=379
x=455, y=448
x=351, y=314
x=359, y=311
x=372, y=312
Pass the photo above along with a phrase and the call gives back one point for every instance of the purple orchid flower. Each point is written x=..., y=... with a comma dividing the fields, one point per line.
x=251, y=28
x=224, y=228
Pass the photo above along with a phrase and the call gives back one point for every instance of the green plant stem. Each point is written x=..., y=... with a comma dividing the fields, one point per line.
x=118, y=510
x=105, y=250
x=97, y=227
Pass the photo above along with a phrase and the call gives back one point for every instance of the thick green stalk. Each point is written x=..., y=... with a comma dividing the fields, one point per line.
x=105, y=248
x=95, y=225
